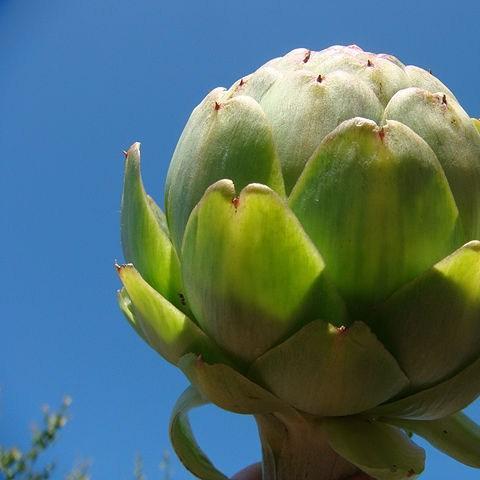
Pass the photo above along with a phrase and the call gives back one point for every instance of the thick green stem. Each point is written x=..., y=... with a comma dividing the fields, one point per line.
x=297, y=449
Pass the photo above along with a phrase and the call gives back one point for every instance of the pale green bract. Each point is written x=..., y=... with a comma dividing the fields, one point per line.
x=318, y=265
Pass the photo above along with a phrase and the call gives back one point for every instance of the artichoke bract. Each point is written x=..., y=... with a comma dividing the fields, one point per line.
x=318, y=265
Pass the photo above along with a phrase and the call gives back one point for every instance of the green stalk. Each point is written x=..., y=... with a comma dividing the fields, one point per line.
x=298, y=449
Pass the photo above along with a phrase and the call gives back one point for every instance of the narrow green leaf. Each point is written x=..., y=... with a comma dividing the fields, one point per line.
x=252, y=276
x=329, y=371
x=382, y=451
x=183, y=441
x=126, y=307
x=145, y=241
x=160, y=216
x=457, y=435
x=167, y=329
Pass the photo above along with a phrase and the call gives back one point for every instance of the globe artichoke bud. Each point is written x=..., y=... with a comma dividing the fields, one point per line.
x=318, y=265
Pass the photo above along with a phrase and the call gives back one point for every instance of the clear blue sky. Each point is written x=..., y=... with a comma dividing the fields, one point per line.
x=79, y=82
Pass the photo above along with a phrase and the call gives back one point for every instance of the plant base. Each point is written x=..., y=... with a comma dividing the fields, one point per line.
x=297, y=449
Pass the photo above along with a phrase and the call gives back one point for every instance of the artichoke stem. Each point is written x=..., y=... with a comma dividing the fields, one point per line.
x=298, y=449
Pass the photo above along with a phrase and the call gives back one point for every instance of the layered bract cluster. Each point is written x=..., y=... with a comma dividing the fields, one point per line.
x=320, y=252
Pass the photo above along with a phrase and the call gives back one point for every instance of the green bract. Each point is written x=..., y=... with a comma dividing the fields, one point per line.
x=319, y=265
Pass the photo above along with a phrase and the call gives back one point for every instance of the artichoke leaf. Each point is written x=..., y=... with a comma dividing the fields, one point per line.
x=329, y=371
x=421, y=78
x=252, y=276
x=476, y=122
x=229, y=389
x=383, y=75
x=224, y=137
x=382, y=451
x=126, y=307
x=432, y=325
x=456, y=435
x=360, y=199
x=144, y=238
x=159, y=215
x=304, y=107
x=439, y=401
x=255, y=85
x=168, y=330
x=291, y=61
x=183, y=441
x=451, y=134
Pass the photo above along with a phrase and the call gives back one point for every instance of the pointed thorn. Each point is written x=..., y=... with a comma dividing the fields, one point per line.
x=319, y=79
x=123, y=266
x=125, y=153
x=306, y=58
x=236, y=202
x=242, y=82
x=381, y=133
x=430, y=72
x=369, y=63
x=444, y=99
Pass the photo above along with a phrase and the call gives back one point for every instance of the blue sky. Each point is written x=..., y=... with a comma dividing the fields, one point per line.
x=79, y=82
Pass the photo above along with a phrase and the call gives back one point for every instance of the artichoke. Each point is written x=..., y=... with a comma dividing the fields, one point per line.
x=318, y=265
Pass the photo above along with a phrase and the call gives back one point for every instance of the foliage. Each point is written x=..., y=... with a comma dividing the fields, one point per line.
x=16, y=464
